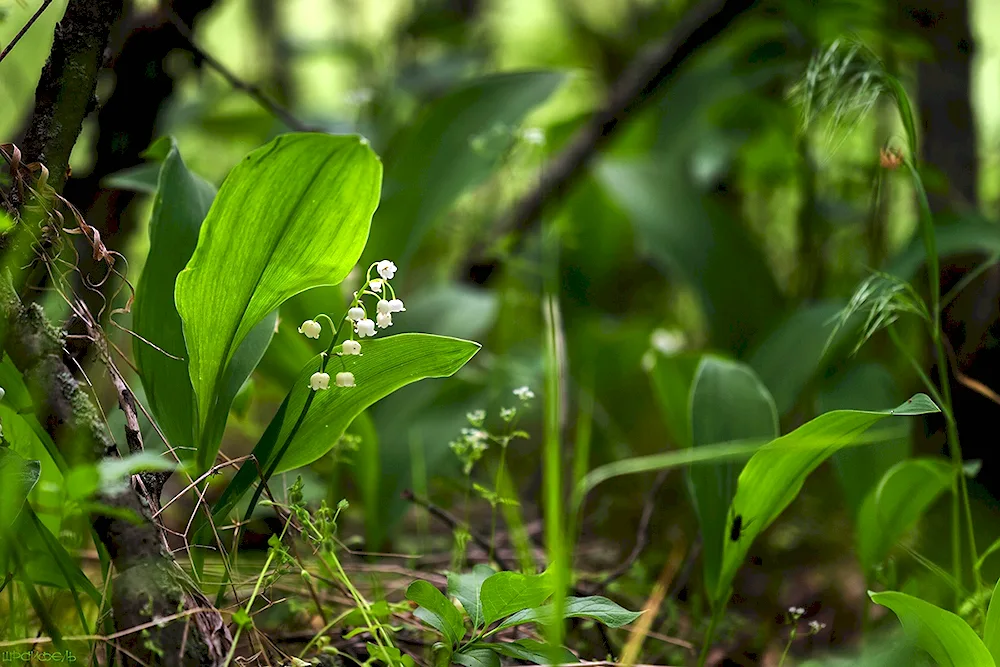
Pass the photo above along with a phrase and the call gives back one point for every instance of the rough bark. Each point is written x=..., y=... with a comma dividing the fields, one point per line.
x=149, y=584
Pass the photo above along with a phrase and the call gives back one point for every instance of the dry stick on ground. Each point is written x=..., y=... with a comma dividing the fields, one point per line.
x=637, y=85
x=453, y=523
x=250, y=89
x=641, y=534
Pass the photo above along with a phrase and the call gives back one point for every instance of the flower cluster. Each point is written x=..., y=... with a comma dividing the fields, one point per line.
x=362, y=325
x=470, y=446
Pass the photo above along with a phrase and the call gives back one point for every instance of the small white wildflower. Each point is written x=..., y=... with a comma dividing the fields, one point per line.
x=319, y=381
x=507, y=414
x=345, y=379
x=310, y=329
x=365, y=327
x=375, y=285
x=476, y=417
x=816, y=626
x=356, y=313
x=533, y=135
x=383, y=307
x=351, y=347
x=396, y=306
x=796, y=613
x=524, y=393
x=383, y=321
x=667, y=342
x=386, y=269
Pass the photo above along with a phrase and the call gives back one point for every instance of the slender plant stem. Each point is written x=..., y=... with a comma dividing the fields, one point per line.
x=493, y=506
x=788, y=645
x=710, y=634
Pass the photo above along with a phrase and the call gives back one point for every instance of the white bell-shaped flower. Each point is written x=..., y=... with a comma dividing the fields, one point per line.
x=310, y=329
x=386, y=269
x=375, y=285
x=345, y=379
x=396, y=306
x=351, y=347
x=319, y=381
x=383, y=320
x=383, y=307
x=365, y=327
x=356, y=313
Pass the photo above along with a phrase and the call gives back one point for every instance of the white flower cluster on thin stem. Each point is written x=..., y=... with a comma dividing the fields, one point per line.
x=362, y=325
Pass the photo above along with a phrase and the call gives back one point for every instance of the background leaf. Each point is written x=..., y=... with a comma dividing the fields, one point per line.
x=595, y=607
x=728, y=402
x=467, y=588
x=507, y=592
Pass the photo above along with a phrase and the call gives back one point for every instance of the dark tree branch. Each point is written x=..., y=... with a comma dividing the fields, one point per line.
x=65, y=92
x=262, y=98
x=27, y=26
x=639, y=83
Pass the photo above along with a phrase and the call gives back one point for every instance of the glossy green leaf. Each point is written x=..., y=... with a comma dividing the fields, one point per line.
x=948, y=638
x=467, y=588
x=508, y=592
x=728, y=402
x=447, y=149
x=436, y=610
x=534, y=651
x=292, y=215
x=859, y=469
x=991, y=631
x=906, y=491
x=385, y=365
x=774, y=475
x=182, y=201
x=476, y=656
x=594, y=607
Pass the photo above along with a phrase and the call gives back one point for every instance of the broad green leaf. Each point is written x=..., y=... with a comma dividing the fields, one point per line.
x=385, y=365
x=991, y=632
x=292, y=215
x=508, y=592
x=948, y=638
x=775, y=474
x=695, y=240
x=795, y=353
x=595, y=607
x=436, y=610
x=672, y=377
x=182, y=201
x=143, y=178
x=896, y=503
x=448, y=149
x=467, y=587
x=476, y=656
x=728, y=402
x=859, y=469
x=534, y=651
x=17, y=477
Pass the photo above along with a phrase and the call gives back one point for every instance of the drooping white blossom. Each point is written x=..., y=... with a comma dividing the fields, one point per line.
x=386, y=269
x=345, y=379
x=356, y=313
x=383, y=320
x=383, y=307
x=365, y=327
x=351, y=347
x=375, y=285
x=310, y=329
x=396, y=306
x=319, y=381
